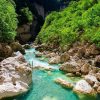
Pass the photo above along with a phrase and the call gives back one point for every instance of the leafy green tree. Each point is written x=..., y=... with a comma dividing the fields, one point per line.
x=80, y=21
x=8, y=21
x=27, y=14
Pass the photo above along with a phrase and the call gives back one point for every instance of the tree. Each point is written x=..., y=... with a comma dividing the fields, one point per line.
x=8, y=21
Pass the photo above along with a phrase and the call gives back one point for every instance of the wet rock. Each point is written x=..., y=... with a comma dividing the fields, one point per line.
x=69, y=67
x=85, y=68
x=91, y=79
x=83, y=87
x=54, y=60
x=15, y=76
x=64, y=57
x=16, y=46
x=64, y=83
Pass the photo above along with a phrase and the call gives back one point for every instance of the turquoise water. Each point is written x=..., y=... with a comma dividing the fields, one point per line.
x=44, y=87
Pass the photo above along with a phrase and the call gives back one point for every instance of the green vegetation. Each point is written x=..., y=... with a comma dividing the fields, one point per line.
x=80, y=21
x=8, y=21
x=26, y=14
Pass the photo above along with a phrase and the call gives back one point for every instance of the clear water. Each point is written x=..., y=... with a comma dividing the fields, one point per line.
x=44, y=87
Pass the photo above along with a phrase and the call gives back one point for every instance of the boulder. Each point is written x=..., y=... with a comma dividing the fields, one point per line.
x=64, y=57
x=85, y=68
x=98, y=76
x=83, y=87
x=54, y=60
x=97, y=61
x=98, y=90
x=50, y=55
x=15, y=76
x=64, y=83
x=16, y=46
x=91, y=79
x=81, y=52
x=69, y=67
x=5, y=51
x=91, y=50
x=38, y=54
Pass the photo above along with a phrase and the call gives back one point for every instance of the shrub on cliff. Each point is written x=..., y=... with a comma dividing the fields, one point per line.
x=26, y=14
x=8, y=21
x=80, y=21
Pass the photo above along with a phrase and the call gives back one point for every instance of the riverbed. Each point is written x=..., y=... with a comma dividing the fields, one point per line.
x=44, y=87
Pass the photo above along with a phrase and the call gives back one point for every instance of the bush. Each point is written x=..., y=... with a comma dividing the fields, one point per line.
x=26, y=14
x=8, y=21
x=80, y=21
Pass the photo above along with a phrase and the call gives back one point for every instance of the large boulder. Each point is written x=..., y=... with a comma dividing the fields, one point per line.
x=64, y=57
x=54, y=60
x=91, y=79
x=70, y=67
x=98, y=90
x=83, y=87
x=97, y=61
x=16, y=46
x=85, y=68
x=5, y=51
x=91, y=50
x=15, y=76
x=98, y=76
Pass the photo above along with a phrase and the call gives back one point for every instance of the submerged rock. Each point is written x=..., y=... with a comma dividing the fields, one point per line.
x=83, y=87
x=15, y=76
x=64, y=83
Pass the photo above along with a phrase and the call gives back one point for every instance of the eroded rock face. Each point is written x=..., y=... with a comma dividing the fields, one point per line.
x=16, y=46
x=15, y=76
x=83, y=87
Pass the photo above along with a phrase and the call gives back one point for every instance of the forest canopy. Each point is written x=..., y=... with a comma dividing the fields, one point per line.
x=80, y=21
x=8, y=21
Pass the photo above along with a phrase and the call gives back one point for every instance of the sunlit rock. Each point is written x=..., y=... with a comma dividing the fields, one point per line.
x=83, y=87
x=15, y=76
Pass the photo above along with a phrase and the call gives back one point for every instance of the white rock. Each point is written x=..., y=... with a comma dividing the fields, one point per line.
x=83, y=87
